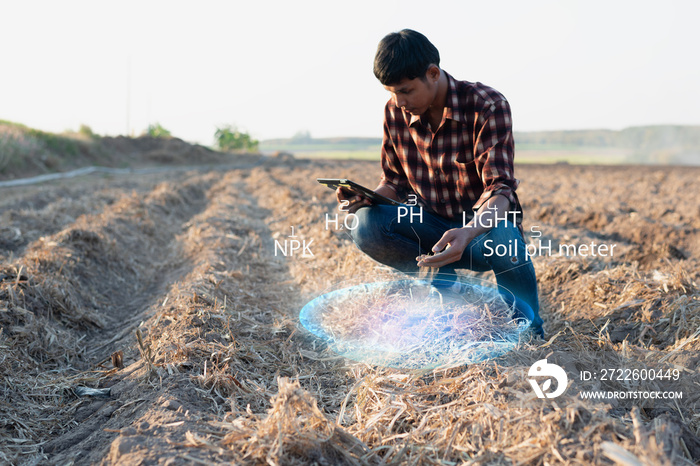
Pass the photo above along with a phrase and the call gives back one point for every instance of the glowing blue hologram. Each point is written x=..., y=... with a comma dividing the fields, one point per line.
x=412, y=324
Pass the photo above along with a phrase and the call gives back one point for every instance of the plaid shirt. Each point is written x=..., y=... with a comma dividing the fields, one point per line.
x=467, y=160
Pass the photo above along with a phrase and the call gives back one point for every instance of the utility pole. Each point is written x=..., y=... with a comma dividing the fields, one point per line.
x=128, y=96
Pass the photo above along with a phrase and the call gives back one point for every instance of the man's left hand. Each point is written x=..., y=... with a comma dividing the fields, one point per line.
x=452, y=244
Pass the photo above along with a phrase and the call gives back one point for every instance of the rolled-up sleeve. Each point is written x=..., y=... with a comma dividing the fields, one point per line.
x=494, y=153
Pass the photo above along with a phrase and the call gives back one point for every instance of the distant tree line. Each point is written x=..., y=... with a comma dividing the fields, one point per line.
x=640, y=137
x=644, y=144
x=228, y=138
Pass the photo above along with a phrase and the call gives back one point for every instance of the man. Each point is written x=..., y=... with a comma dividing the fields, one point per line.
x=448, y=149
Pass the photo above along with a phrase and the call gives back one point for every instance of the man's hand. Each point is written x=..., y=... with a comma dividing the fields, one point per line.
x=351, y=200
x=455, y=241
x=452, y=244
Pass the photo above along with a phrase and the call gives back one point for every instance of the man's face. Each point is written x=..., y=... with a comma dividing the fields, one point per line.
x=413, y=95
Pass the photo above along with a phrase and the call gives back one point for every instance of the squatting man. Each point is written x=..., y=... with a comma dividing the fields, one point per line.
x=447, y=146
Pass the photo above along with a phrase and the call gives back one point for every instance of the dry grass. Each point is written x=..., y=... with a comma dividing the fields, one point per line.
x=409, y=324
x=267, y=392
x=61, y=298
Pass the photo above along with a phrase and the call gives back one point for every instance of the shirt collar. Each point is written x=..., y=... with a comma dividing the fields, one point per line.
x=451, y=110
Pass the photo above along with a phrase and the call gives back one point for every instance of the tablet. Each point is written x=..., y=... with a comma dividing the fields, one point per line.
x=335, y=183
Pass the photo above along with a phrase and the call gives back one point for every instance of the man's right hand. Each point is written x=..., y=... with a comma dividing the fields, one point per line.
x=351, y=201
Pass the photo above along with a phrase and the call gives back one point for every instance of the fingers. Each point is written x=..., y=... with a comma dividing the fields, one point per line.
x=447, y=250
x=349, y=201
x=422, y=260
x=357, y=203
x=446, y=240
x=341, y=195
x=442, y=244
x=346, y=197
x=438, y=260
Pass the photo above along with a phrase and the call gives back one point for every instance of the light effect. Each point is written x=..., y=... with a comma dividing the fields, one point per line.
x=411, y=324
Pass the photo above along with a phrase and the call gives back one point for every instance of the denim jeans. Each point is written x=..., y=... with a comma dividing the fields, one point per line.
x=396, y=242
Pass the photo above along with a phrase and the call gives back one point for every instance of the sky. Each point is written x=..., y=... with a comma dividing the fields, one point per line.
x=276, y=68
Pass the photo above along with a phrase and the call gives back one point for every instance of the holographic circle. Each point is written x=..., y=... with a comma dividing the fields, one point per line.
x=418, y=324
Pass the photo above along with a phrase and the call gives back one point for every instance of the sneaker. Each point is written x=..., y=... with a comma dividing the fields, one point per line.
x=537, y=330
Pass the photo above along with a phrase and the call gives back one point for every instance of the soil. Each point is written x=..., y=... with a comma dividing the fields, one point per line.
x=178, y=271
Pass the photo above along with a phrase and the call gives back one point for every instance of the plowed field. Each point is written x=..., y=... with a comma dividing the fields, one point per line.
x=178, y=272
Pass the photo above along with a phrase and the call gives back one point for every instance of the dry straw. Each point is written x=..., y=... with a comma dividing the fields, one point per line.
x=267, y=392
x=411, y=324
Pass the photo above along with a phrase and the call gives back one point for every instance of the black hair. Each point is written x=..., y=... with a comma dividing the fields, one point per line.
x=406, y=54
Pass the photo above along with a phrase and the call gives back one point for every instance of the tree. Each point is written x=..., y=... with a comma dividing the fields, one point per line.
x=157, y=131
x=229, y=138
x=302, y=136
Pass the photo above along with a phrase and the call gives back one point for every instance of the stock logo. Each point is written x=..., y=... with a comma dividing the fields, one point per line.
x=542, y=368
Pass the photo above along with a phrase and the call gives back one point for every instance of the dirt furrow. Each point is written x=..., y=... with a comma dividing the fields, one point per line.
x=224, y=373
x=75, y=296
x=223, y=301
x=28, y=213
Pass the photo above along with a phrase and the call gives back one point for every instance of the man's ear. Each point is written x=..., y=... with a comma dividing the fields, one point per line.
x=433, y=73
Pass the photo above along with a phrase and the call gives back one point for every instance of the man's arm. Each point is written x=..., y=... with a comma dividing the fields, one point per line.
x=494, y=154
x=455, y=241
x=386, y=191
x=494, y=161
x=355, y=201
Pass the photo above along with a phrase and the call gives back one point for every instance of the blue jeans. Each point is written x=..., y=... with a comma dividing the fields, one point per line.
x=396, y=242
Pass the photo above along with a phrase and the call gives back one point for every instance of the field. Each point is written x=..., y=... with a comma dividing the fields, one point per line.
x=567, y=155
x=165, y=289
